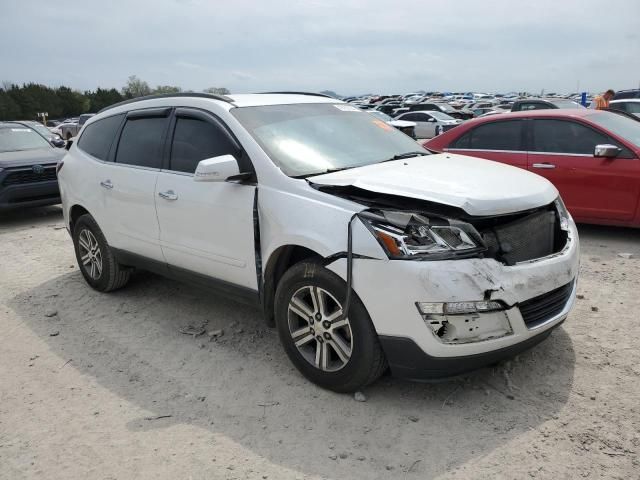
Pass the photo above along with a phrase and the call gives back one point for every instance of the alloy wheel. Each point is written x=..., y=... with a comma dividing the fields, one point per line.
x=90, y=254
x=319, y=330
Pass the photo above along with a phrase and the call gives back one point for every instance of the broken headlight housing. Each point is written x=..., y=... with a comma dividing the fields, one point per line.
x=405, y=235
x=563, y=214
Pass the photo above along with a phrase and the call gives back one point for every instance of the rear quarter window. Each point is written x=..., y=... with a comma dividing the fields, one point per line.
x=97, y=138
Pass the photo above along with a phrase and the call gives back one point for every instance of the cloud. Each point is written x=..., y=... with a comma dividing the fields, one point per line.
x=349, y=46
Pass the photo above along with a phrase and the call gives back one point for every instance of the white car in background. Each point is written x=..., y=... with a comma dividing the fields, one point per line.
x=430, y=123
x=629, y=105
x=362, y=248
x=404, y=126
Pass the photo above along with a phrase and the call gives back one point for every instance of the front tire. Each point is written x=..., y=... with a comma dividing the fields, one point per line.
x=336, y=352
x=95, y=258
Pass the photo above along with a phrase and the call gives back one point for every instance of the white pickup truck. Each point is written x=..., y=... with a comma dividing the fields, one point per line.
x=69, y=130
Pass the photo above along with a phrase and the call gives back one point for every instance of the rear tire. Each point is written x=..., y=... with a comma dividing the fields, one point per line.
x=341, y=354
x=95, y=258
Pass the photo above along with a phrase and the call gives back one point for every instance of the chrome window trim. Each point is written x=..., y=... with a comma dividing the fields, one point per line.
x=562, y=154
x=484, y=150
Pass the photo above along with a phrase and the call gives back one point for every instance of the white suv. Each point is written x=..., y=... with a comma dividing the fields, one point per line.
x=362, y=248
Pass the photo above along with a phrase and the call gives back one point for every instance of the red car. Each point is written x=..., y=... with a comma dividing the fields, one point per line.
x=591, y=156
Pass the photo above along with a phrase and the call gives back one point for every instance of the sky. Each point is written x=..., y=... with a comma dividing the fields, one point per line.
x=348, y=46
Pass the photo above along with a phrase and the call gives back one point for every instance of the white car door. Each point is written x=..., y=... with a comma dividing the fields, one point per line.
x=205, y=227
x=128, y=184
x=426, y=125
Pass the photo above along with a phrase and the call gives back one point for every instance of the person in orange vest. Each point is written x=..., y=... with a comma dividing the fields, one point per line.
x=600, y=102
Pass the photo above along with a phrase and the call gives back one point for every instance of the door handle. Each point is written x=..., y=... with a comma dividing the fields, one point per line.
x=168, y=195
x=106, y=184
x=543, y=165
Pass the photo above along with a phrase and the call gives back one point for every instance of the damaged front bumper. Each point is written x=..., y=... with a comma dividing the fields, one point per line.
x=422, y=340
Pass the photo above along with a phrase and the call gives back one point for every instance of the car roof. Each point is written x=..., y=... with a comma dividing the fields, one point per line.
x=623, y=100
x=238, y=100
x=547, y=112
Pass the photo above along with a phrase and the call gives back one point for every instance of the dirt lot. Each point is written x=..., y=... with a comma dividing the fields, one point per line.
x=106, y=387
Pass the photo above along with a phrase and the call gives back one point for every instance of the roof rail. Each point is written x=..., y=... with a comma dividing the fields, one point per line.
x=312, y=94
x=222, y=98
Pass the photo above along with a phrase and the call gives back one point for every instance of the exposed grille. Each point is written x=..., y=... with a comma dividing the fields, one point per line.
x=18, y=177
x=524, y=239
x=538, y=310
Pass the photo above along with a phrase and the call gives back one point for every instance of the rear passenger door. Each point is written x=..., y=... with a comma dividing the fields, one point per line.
x=592, y=188
x=205, y=227
x=128, y=183
x=501, y=141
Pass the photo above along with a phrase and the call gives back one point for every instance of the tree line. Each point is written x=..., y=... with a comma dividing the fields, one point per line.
x=24, y=102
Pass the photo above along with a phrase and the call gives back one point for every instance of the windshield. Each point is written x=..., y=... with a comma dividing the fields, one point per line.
x=309, y=139
x=41, y=129
x=20, y=138
x=631, y=107
x=383, y=115
x=624, y=127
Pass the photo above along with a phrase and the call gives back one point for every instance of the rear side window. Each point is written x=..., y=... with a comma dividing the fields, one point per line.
x=97, y=138
x=560, y=136
x=195, y=140
x=141, y=142
x=492, y=136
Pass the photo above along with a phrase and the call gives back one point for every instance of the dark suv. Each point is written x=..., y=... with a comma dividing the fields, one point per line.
x=626, y=94
x=543, y=104
x=27, y=168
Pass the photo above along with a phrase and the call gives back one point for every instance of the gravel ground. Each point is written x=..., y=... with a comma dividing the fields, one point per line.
x=96, y=386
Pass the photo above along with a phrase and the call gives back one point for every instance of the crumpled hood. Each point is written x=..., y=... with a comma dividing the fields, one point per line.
x=479, y=187
x=31, y=157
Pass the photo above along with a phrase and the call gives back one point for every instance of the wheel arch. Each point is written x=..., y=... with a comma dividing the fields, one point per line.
x=280, y=260
x=75, y=212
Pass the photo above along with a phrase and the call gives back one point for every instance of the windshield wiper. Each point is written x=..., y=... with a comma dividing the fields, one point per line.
x=400, y=156
x=328, y=170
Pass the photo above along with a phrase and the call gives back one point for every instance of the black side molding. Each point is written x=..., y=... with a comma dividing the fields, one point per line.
x=232, y=291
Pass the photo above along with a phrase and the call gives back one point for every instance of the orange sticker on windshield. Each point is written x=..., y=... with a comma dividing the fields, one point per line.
x=382, y=125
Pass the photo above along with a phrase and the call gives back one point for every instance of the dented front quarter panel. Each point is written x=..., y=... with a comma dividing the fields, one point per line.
x=390, y=288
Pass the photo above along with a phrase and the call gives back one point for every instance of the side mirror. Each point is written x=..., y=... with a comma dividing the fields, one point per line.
x=216, y=169
x=606, y=151
x=431, y=120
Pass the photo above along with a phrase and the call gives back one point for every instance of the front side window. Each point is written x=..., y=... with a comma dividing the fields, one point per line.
x=195, y=140
x=96, y=139
x=561, y=136
x=492, y=136
x=310, y=139
x=141, y=142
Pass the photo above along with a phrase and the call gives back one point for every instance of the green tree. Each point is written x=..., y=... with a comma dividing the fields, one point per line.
x=135, y=88
x=217, y=90
x=167, y=89
x=9, y=108
x=102, y=98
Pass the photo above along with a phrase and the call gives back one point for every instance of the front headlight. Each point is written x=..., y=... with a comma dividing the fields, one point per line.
x=563, y=214
x=410, y=235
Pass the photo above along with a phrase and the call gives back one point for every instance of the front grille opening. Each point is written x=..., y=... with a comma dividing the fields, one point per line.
x=20, y=177
x=538, y=310
x=527, y=236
